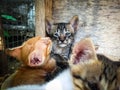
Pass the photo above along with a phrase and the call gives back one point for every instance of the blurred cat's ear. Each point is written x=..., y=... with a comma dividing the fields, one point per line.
x=14, y=52
x=48, y=25
x=74, y=22
x=83, y=51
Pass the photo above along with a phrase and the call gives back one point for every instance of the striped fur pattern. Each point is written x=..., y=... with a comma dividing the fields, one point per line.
x=93, y=71
x=62, y=35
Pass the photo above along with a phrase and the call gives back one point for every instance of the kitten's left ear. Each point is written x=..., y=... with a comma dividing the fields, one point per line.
x=83, y=51
x=14, y=52
x=48, y=25
x=74, y=22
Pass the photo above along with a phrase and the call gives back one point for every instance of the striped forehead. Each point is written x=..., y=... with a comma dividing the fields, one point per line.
x=61, y=27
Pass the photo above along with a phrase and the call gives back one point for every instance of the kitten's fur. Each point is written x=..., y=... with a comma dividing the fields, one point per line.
x=62, y=82
x=62, y=35
x=93, y=71
x=88, y=70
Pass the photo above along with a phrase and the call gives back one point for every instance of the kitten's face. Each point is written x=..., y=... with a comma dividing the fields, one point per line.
x=62, y=34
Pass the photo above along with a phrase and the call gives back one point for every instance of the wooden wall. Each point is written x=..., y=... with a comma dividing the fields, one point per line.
x=43, y=8
x=99, y=19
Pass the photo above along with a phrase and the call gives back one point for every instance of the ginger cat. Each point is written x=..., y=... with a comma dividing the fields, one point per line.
x=38, y=64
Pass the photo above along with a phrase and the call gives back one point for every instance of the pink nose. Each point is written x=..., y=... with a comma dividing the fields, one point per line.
x=62, y=38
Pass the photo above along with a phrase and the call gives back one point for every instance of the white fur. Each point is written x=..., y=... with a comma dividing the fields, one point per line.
x=62, y=82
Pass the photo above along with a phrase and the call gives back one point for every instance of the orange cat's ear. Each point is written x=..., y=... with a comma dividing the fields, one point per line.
x=83, y=51
x=48, y=25
x=14, y=52
x=74, y=22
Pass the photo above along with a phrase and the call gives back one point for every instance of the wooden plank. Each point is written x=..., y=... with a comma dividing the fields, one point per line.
x=40, y=18
x=48, y=8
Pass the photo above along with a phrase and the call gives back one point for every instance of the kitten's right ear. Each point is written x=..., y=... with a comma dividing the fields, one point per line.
x=83, y=51
x=74, y=22
x=48, y=25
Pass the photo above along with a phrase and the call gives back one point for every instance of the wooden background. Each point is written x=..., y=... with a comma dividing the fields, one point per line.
x=99, y=19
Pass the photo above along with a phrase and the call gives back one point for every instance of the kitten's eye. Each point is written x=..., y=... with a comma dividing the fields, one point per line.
x=56, y=35
x=68, y=34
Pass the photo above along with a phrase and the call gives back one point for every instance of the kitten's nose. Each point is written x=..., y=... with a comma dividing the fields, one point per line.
x=62, y=38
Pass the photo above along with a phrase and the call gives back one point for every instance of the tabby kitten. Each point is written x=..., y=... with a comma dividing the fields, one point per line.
x=62, y=35
x=93, y=71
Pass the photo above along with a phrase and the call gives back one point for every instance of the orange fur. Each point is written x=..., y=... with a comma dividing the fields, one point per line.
x=35, y=57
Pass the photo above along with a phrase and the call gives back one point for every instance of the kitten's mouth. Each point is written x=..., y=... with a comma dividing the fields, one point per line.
x=62, y=45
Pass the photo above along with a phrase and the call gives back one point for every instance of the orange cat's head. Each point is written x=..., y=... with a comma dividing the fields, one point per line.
x=34, y=52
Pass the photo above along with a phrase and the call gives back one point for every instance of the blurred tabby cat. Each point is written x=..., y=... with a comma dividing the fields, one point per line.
x=87, y=71
x=62, y=35
x=93, y=71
